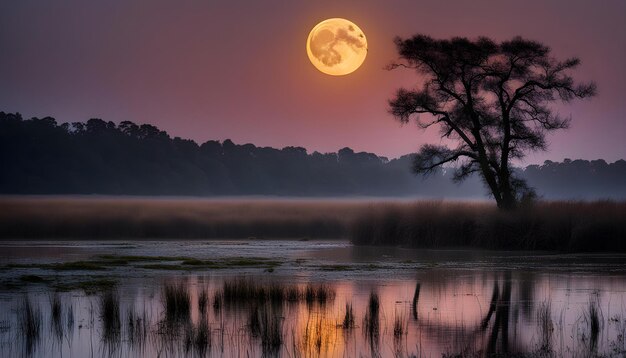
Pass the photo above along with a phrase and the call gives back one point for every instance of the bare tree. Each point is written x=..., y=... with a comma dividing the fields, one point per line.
x=490, y=99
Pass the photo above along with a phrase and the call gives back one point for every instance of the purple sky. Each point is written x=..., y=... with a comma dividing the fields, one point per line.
x=238, y=69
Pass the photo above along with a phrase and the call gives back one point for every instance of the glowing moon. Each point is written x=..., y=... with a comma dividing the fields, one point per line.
x=336, y=46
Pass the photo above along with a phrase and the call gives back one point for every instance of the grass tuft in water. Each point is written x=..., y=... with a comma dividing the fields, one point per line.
x=371, y=321
x=546, y=326
x=266, y=325
x=55, y=307
x=320, y=294
x=245, y=291
x=177, y=301
x=293, y=294
x=203, y=301
x=69, y=319
x=197, y=339
x=30, y=321
x=217, y=301
x=594, y=319
x=110, y=317
x=137, y=328
x=398, y=326
x=348, y=318
x=56, y=316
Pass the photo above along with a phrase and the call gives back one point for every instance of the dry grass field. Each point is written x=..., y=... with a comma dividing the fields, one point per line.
x=136, y=218
x=566, y=226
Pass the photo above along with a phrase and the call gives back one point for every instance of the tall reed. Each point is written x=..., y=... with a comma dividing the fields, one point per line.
x=567, y=226
x=30, y=322
x=110, y=317
x=176, y=301
x=348, y=318
x=371, y=320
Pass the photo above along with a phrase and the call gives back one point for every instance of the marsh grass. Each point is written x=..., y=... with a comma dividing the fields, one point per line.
x=176, y=301
x=88, y=265
x=55, y=307
x=193, y=264
x=197, y=338
x=546, y=326
x=371, y=320
x=30, y=323
x=94, y=286
x=61, y=318
x=66, y=266
x=348, y=318
x=244, y=291
x=110, y=317
x=105, y=262
x=568, y=226
x=90, y=286
x=399, y=326
x=105, y=218
x=69, y=320
x=6, y=325
x=137, y=328
x=319, y=335
x=262, y=327
x=254, y=322
x=320, y=294
x=416, y=297
x=203, y=301
x=56, y=316
x=266, y=324
x=217, y=301
x=618, y=347
x=292, y=294
x=595, y=321
x=571, y=226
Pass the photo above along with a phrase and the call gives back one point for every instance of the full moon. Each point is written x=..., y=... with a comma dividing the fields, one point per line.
x=336, y=46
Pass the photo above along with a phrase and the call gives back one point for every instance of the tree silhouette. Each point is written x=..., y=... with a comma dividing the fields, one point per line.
x=490, y=99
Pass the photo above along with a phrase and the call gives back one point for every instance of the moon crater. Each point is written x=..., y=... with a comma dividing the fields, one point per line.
x=336, y=46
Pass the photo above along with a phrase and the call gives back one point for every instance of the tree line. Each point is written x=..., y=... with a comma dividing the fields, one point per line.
x=41, y=156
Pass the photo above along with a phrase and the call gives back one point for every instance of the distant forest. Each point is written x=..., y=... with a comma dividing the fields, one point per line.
x=40, y=156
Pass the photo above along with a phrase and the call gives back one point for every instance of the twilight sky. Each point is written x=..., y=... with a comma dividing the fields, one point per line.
x=239, y=69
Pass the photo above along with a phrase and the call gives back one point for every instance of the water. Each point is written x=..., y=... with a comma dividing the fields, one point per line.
x=430, y=302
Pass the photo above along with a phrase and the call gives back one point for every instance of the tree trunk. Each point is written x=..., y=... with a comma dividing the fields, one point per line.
x=490, y=179
x=501, y=189
x=509, y=202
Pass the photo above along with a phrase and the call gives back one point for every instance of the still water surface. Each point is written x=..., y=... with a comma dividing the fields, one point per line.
x=291, y=298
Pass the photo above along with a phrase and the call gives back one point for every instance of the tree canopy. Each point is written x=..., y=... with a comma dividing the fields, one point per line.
x=492, y=101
